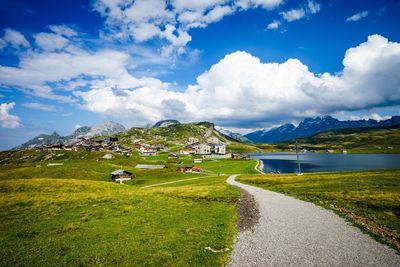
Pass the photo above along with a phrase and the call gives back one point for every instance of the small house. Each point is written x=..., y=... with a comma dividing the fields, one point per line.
x=121, y=175
x=235, y=156
x=147, y=151
x=185, y=168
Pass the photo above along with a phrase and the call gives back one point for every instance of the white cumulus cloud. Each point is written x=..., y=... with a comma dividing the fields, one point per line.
x=6, y=119
x=169, y=21
x=242, y=90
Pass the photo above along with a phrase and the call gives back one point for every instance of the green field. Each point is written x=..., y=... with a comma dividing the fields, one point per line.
x=370, y=199
x=73, y=214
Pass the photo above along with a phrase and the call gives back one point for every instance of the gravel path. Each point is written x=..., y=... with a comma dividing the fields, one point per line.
x=292, y=232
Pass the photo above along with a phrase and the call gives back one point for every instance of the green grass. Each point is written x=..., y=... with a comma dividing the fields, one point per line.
x=64, y=222
x=371, y=199
x=74, y=215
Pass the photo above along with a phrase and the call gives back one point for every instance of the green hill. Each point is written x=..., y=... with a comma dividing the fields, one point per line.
x=175, y=136
x=361, y=140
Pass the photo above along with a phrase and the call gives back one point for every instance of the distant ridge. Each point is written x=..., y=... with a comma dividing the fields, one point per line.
x=312, y=126
x=235, y=136
x=106, y=129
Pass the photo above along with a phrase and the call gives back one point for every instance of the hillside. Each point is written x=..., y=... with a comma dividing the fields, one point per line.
x=174, y=136
x=312, y=126
x=377, y=140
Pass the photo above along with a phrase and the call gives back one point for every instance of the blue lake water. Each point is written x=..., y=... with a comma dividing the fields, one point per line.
x=326, y=162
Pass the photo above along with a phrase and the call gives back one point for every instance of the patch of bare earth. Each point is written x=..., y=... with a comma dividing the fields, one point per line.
x=247, y=210
x=389, y=235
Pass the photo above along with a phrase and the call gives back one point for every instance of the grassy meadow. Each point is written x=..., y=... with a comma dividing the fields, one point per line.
x=370, y=199
x=73, y=215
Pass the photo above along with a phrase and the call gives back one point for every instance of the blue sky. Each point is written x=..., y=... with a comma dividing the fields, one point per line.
x=243, y=64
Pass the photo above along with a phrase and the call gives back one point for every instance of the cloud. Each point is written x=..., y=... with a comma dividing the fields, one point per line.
x=373, y=116
x=50, y=41
x=169, y=21
x=39, y=106
x=272, y=91
x=77, y=126
x=14, y=39
x=59, y=64
x=358, y=16
x=313, y=7
x=63, y=30
x=293, y=14
x=302, y=11
x=273, y=25
x=7, y=120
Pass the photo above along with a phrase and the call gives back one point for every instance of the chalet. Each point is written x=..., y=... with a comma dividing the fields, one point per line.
x=121, y=175
x=185, y=168
x=202, y=149
x=147, y=151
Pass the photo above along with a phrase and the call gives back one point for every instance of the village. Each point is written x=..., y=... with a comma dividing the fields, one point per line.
x=192, y=147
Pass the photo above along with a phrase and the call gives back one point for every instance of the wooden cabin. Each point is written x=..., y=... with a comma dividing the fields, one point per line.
x=185, y=168
x=121, y=175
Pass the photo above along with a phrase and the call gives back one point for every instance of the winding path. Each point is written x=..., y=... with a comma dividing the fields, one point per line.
x=292, y=232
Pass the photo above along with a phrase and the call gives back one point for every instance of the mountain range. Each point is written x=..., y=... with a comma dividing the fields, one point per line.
x=311, y=126
x=106, y=129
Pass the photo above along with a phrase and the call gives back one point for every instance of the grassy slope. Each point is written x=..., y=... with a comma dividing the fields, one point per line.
x=89, y=220
x=364, y=140
x=371, y=199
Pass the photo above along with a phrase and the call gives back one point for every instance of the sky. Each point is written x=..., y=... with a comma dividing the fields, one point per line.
x=242, y=64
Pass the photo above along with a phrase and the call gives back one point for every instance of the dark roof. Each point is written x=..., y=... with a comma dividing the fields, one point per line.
x=120, y=172
x=185, y=166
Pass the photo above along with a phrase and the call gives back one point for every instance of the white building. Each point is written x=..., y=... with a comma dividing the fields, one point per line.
x=219, y=149
x=147, y=151
x=202, y=149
